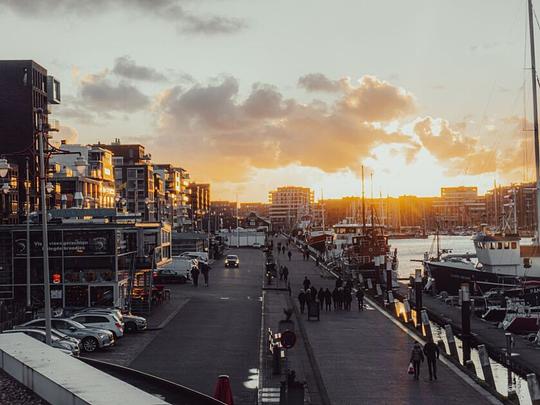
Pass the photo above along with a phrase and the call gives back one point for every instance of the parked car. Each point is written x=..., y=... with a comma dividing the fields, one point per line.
x=203, y=256
x=170, y=276
x=91, y=338
x=56, y=342
x=115, y=311
x=256, y=245
x=134, y=323
x=55, y=332
x=105, y=321
x=232, y=261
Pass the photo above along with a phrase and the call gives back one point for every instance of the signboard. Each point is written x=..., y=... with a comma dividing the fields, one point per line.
x=288, y=339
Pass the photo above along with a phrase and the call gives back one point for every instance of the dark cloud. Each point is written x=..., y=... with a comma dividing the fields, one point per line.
x=319, y=82
x=126, y=67
x=99, y=94
x=266, y=102
x=171, y=10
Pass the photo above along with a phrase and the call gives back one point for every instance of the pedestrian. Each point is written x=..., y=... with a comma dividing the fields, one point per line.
x=205, y=269
x=317, y=261
x=281, y=272
x=328, y=299
x=347, y=298
x=306, y=283
x=320, y=295
x=417, y=357
x=290, y=255
x=349, y=284
x=285, y=273
x=313, y=293
x=195, y=276
x=360, y=298
x=302, y=300
x=335, y=296
x=283, y=249
x=431, y=351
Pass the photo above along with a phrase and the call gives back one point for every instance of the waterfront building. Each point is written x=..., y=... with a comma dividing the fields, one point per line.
x=499, y=201
x=459, y=207
x=288, y=205
x=176, y=208
x=199, y=200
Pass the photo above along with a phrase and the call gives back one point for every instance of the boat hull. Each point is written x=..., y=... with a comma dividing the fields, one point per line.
x=450, y=278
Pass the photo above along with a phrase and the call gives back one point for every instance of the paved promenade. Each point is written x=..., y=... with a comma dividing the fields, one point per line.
x=363, y=357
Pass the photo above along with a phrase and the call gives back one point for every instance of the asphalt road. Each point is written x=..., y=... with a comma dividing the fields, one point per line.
x=216, y=332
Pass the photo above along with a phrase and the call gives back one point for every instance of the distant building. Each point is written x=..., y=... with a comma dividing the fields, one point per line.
x=254, y=221
x=459, y=207
x=261, y=209
x=199, y=199
x=222, y=215
x=499, y=202
x=176, y=208
x=288, y=205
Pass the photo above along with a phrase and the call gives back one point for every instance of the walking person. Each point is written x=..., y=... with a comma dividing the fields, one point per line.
x=328, y=300
x=283, y=249
x=348, y=299
x=281, y=272
x=360, y=298
x=302, y=300
x=285, y=273
x=417, y=357
x=289, y=253
x=306, y=283
x=340, y=296
x=313, y=293
x=431, y=351
x=335, y=295
x=195, y=276
x=321, y=296
x=205, y=269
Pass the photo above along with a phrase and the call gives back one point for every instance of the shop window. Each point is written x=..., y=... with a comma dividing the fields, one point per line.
x=514, y=245
x=102, y=296
x=76, y=296
x=499, y=245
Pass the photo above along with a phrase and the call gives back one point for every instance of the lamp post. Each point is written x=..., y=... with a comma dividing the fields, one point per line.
x=27, y=191
x=41, y=132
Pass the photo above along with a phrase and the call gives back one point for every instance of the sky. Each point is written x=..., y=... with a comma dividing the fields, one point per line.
x=251, y=95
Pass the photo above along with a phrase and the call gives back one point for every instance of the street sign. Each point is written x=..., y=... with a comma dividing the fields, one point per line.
x=288, y=339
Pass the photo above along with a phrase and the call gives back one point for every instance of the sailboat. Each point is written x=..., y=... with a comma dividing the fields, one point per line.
x=503, y=262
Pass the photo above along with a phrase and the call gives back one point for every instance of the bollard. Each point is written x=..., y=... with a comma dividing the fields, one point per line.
x=391, y=305
x=223, y=391
x=398, y=307
x=377, y=263
x=426, y=327
x=486, y=365
x=451, y=341
x=511, y=391
x=407, y=309
x=418, y=289
x=534, y=389
x=465, y=321
x=379, y=291
x=470, y=366
x=441, y=346
x=388, y=275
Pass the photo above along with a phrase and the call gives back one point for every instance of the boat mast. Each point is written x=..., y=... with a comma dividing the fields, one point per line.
x=363, y=204
x=535, y=121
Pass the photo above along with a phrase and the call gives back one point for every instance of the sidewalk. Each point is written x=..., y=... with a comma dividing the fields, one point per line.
x=363, y=356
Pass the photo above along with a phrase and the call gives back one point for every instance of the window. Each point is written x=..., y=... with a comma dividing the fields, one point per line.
x=36, y=335
x=499, y=245
x=37, y=323
x=60, y=325
x=514, y=245
x=507, y=245
x=96, y=319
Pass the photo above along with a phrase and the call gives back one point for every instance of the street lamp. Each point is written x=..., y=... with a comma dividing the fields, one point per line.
x=5, y=188
x=4, y=167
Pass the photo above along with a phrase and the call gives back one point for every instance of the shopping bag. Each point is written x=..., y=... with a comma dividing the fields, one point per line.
x=410, y=370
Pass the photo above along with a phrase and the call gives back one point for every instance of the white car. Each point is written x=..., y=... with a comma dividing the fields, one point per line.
x=66, y=345
x=232, y=261
x=105, y=321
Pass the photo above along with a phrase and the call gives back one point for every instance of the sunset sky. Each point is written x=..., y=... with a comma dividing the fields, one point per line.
x=250, y=95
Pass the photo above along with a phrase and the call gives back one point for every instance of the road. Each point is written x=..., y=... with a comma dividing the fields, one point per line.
x=216, y=332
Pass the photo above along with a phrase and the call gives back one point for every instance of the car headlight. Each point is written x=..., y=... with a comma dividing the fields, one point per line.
x=66, y=345
x=102, y=335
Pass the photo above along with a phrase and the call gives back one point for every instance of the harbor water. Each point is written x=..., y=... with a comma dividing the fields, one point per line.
x=413, y=249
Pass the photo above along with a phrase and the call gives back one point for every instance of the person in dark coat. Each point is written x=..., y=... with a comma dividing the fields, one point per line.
x=349, y=285
x=285, y=273
x=431, y=351
x=281, y=272
x=283, y=249
x=335, y=296
x=417, y=357
x=360, y=298
x=302, y=300
x=340, y=297
x=306, y=283
x=328, y=299
x=289, y=253
x=347, y=298
x=313, y=293
x=205, y=269
x=195, y=276
x=320, y=295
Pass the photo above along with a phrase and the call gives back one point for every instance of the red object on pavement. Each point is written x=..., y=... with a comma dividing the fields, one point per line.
x=223, y=390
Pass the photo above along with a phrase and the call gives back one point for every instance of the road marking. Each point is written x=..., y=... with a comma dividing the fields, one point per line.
x=224, y=298
x=172, y=315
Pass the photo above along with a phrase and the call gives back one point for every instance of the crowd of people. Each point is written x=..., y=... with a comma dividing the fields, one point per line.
x=340, y=298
